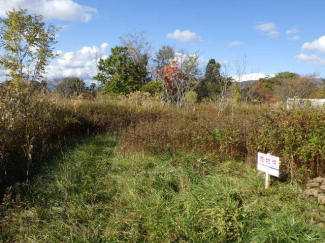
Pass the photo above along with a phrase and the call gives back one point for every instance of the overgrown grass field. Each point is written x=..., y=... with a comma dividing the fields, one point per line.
x=92, y=193
x=159, y=174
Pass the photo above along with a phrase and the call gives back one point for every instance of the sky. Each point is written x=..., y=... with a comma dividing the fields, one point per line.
x=270, y=36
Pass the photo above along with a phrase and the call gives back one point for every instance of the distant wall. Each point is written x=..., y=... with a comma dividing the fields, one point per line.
x=297, y=102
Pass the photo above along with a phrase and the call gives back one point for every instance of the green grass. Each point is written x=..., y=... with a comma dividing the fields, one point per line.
x=93, y=194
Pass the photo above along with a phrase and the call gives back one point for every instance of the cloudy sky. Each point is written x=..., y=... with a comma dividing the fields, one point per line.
x=273, y=36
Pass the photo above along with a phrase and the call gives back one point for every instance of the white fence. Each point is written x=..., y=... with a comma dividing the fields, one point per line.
x=297, y=102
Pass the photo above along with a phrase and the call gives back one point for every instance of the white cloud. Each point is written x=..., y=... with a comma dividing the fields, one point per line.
x=80, y=64
x=202, y=61
x=268, y=29
x=293, y=30
x=3, y=74
x=78, y=59
x=50, y=9
x=251, y=76
x=316, y=45
x=64, y=27
x=104, y=46
x=311, y=59
x=223, y=63
x=296, y=37
x=184, y=36
x=235, y=43
x=180, y=57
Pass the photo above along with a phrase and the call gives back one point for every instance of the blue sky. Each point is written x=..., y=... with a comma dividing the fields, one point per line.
x=274, y=36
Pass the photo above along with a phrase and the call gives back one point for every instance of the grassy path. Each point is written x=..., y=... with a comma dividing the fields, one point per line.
x=93, y=194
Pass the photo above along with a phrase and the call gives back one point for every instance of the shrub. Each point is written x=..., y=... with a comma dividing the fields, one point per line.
x=190, y=97
x=298, y=138
x=152, y=87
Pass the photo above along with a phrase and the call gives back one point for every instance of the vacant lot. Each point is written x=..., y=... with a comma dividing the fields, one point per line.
x=92, y=193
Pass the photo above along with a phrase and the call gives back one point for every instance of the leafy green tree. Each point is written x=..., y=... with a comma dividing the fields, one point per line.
x=270, y=82
x=26, y=42
x=212, y=82
x=119, y=73
x=71, y=86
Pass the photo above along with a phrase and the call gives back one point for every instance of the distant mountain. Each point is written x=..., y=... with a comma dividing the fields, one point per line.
x=243, y=83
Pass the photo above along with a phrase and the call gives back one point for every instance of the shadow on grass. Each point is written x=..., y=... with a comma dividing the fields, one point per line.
x=21, y=191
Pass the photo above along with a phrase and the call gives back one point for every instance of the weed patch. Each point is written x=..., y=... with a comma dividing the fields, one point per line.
x=94, y=194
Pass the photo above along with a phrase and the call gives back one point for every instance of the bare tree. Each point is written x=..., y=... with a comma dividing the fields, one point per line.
x=237, y=68
x=224, y=97
x=240, y=67
x=95, y=57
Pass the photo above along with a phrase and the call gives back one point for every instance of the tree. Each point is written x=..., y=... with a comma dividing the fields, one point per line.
x=35, y=86
x=224, y=97
x=92, y=86
x=270, y=82
x=27, y=44
x=301, y=87
x=164, y=55
x=259, y=92
x=212, y=82
x=119, y=73
x=180, y=77
x=70, y=86
x=139, y=49
x=280, y=87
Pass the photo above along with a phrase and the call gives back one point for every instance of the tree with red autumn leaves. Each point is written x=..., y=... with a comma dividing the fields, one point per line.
x=264, y=94
x=179, y=77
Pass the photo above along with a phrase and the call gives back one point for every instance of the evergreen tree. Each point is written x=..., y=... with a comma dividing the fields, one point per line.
x=211, y=84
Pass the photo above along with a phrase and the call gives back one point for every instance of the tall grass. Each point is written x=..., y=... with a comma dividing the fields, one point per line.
x=29, y=126
x=296, y=136
x=32, y=125
x=93, y=194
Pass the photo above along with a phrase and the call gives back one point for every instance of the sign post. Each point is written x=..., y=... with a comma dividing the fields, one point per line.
x=267, y=180
x=268, y=164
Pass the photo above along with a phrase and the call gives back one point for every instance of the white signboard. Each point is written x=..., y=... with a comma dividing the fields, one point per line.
x=268, y=164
